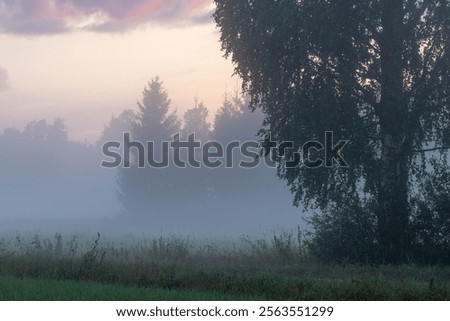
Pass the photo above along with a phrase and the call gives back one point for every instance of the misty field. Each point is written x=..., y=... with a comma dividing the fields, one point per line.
x=179, y=268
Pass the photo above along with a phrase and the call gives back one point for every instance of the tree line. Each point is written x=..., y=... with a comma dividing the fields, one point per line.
x=61, y=178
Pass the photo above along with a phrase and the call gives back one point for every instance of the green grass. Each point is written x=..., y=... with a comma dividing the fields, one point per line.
x=26, y=289
x=177, y=269
x=252, y=288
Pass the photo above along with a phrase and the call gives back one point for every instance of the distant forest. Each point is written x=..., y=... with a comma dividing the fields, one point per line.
x=50, y=176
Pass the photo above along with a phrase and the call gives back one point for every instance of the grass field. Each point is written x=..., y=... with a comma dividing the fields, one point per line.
x=277, y=268
x=26, y=289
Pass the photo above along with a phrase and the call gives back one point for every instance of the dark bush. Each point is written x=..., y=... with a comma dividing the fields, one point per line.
x=430, y=223
x=345, y=235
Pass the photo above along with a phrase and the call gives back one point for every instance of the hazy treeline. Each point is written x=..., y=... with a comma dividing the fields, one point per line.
x=49, y=176
x=45, y=175
x=204, y=198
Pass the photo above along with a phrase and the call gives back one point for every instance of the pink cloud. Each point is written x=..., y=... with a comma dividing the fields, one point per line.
x=51, y=16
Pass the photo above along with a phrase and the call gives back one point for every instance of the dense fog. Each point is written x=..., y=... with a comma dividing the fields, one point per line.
x=51, y=184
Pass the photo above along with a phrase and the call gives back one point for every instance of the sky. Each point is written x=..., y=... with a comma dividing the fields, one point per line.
x=85, y=61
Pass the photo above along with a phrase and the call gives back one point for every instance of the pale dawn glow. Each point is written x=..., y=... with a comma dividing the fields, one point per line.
x=86, y=76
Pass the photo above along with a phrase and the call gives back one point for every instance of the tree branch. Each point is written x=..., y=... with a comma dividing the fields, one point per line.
x=432, y=149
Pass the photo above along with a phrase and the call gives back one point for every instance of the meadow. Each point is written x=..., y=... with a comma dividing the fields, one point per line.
x=59, y=267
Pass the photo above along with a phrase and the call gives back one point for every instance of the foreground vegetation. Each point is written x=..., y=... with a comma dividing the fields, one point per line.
x=27, y=289
x=173, y=268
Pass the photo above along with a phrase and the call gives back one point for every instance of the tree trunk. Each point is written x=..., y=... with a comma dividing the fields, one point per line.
x=393, y=211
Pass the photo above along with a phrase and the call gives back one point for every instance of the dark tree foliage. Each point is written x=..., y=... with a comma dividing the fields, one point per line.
x=154, y=120
x=431, y=217
x=143, y=191
x=345, y=234
x=375, y=72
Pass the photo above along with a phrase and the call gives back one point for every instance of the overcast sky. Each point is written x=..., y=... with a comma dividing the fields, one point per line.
x=85, y=60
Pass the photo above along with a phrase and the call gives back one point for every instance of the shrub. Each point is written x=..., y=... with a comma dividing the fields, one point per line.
x=430, y=224
x=345, y=235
